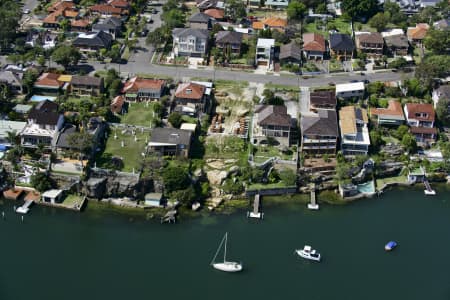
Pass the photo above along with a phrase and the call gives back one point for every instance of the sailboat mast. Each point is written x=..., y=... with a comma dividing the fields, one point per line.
x=225, y=251
x=218, y=249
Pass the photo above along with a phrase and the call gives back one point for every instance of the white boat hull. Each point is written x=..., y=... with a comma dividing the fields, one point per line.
x=228, y=266
x=304, y=255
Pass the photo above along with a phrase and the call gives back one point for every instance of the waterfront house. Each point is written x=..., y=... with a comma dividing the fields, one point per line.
x=111, y=25
x=322, y=100
x=265, y=53
x=153, y=199
x=392, y=115
x=43, y=124
x=370, y=43
x=353, y=124
x=417, y=34
x=190, y=42
x=11, y=80
x=93, y=41
x=290, y=53
x=200, y=21
x=229, y=42
x=49, y=84
x=319, y=132
x=341, y=46
x=143, y=89
x=420, y=117
x=272, y=121
x=86, y=85
x=192, y=98
x=350, y=90
x=170, y=141
x=52, y=196
x=314, y=46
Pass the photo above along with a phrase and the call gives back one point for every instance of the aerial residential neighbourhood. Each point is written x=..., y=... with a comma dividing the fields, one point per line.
x=182, y=109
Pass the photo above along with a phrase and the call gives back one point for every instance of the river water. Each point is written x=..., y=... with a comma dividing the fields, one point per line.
x=100, y=254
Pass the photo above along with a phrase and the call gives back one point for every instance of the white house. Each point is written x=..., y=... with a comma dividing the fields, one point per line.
x=52, y=196
x=350, y=90
x=355, y=138
x=264, y=52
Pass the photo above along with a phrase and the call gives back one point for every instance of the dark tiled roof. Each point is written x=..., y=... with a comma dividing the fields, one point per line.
x=94, y=39
x=398, y=41
x=342, y=42
x=63, y=136
x=229, y=37
x=184, y=32
x=291, y=50
x=199, y=18
x=170, y=136
x=372, y=38
x=273, y=115
x=323, y=98
x=87, y=80
x=324, y=123
x=45, y=112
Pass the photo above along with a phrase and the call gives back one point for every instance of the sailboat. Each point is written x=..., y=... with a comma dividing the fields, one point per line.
x=225, y=266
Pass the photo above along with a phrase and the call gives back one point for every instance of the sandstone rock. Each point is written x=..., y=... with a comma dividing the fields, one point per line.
x=216, y=177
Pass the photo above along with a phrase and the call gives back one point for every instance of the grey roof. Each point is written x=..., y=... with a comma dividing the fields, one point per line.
x=291, y=50
x=398, y=41
x=87, y=80
x=111, y=23
x=341, y=42
x=63, y=136
x=323, y=98
x=324, y=123
x=45, y=112
x=170, y=136
x=94, y=39
x=200, y=18
x=10, y=78
x=229, y=37
x=185, y=32
x=444, y=92
x=273, y=115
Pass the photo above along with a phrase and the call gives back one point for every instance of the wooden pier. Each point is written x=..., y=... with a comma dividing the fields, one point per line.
x=256, y=213
x=313, y=204
x=169, y=217
x=428, y=190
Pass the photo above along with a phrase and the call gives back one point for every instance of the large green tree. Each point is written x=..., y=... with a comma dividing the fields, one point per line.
x=41, y=181
x=66, y=55
x=82, y=142
x=9, y=22
x=359, y=9
x=442, y=112
x=432, y=67
x=379, y=21
x=235, y=9
x=438, y=41
x=175, y=178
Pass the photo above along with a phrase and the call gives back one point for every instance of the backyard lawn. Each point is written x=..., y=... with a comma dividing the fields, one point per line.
x=263, y=153
x=139, y=113
x=130, y=153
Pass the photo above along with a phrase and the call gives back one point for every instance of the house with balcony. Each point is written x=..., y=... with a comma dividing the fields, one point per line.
x=170, y=142
x=341, y=46
x=370, y=43
x=272, y=121
x=350, y=90
x=229, y=42
x=322, y=100
x=314, y=46
x=193, y=98
x=43, y=124
x=143, y=89
x=190, y=42
x=396, y=42
x=50, y=84
x=319, y=132
x=86, y=85
x=390, y=116
x=265, y=53
x=353, y=124
x=421, y=117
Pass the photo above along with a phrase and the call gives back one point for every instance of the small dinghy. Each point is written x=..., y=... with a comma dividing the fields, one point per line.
x=390, y=246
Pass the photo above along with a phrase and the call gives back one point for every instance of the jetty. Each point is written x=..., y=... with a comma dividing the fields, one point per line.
x=169, y=217
x=313, y=204
x=25, y=207
x=428, y=190
x=256, y=213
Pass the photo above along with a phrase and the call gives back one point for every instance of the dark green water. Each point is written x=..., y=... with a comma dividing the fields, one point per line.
x=98, y=255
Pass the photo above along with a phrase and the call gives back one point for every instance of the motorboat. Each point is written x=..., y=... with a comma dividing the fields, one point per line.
x=225, y=266
x=308, y=253
x=390, y=246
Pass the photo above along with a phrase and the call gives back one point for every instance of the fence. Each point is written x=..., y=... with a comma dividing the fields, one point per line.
x=272, y=191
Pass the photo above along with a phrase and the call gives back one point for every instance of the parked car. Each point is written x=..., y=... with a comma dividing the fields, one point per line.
x=26, y=11
x=144, y=32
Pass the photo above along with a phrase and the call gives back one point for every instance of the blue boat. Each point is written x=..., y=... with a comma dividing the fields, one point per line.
x=390, y=246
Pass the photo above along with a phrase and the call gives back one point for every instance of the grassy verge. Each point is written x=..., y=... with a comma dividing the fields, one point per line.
x=281, y=87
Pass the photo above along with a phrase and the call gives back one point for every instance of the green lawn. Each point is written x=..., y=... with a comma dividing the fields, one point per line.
x=72, y=200
x=261, y=186
x=139, y=113
x=280, y=87
x=130, y=152
x=397, y=179
x=335, y=66
x=234, y=87
x=264, y=153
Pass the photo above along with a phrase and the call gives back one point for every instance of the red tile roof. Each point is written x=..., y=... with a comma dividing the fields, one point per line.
x=49, y=79
x=215, y=13
x=190, y=91
x=136, y=83
x=80, y=23
x=394, y=109
x=58, y=5
x=119, y=3
x=419, y=32
x=313, y=42
x=417, y=108
x=104, y=8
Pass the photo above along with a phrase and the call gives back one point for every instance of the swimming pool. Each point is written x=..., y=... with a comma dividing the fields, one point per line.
x=39, y=98
x=366, y=188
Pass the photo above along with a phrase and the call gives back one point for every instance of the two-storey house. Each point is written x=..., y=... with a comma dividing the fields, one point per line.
x=420, y=117
x=370, y=43
x=265, y=52
x=43, y=124
x=86, y=85
x=355, y=138
x=190, y=42
x=170, y=141
x=341, y=46
x=319, y=132
x=193, y=98
x=272, y=121
x=229, y=42
x=143, y=89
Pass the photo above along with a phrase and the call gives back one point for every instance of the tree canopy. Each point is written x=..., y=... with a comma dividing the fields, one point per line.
x=175, y=119
x=360, y=9
x=379, y=21
x=175, y=178
x=438, y=41
x=235, y=9
x=66, y=55
x=41, y=181
x=296, y=11
x=9, y=21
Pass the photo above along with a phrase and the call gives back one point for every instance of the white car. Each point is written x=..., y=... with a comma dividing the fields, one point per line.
x=26, y=11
